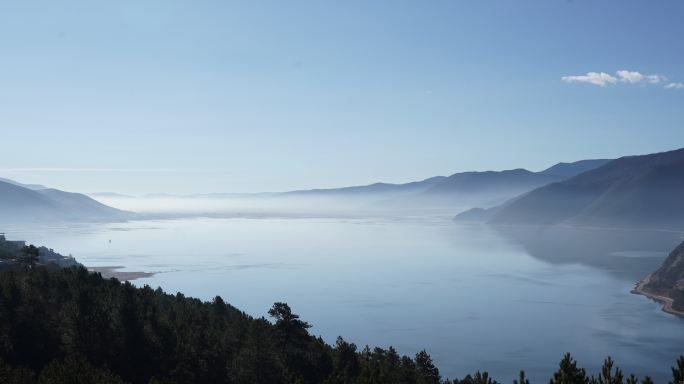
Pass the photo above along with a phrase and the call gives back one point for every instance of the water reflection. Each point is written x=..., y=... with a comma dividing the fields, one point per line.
x=626, y=254
x=476, y=297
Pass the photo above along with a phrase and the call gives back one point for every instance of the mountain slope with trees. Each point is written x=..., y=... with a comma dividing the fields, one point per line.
x=72, y=326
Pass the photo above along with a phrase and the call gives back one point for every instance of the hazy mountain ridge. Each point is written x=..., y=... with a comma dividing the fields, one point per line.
x=438, y=195
x=484, y=187
x=22, y=204
x=375, y=188
x=631, y=191
x=29, y=186
x=566, y=170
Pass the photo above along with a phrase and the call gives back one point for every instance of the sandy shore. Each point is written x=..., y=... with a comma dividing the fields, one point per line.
x=639, y=289
x=113, y=271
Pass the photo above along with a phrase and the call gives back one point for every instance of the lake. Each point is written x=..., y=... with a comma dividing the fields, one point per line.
x=475, y=297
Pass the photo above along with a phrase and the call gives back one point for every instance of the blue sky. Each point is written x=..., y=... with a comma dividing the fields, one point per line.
x=202, y=96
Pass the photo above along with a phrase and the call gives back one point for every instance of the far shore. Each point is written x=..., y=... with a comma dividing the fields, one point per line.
x=640, y=289
x=113, y=271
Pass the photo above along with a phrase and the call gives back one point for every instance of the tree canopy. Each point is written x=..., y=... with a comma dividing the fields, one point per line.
x=73, y=326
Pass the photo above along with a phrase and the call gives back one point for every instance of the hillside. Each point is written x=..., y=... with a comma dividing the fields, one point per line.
x=667, y=283
x=11, y=253
x=463, y=188
x=633, y=191
x=372, y=189
x=567, y=170
x=63, y=326
x=82, y=204
x=22, y=204
x=69, y=325
x=29, y=186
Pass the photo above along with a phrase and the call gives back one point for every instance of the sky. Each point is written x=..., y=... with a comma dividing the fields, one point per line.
x=247, y=96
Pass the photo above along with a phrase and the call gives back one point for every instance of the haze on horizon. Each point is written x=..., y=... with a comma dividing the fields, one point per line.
x=181, y=97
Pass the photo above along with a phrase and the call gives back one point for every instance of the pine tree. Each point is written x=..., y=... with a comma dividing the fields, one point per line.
x=428, y=373
x=29, y=255
x=521, y=379
x=678, y=372
x=607, y=376
x=568, y=373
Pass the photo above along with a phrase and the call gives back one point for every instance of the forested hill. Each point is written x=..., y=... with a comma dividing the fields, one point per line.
x=71, y=326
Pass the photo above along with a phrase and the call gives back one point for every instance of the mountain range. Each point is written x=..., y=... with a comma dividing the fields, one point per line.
x=632, y=191
x=487, y=187
x=22, y=203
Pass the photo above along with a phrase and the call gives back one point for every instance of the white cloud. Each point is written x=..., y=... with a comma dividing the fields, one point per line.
x=623, y=76
x=675, y=86
x=631, y=77
x=596, y=78
x=655, y=79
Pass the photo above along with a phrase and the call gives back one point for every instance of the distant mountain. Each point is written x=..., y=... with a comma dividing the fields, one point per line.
x=633, y=191
x=487, y=187
x=567, y=170
x=19, y=201
x=79, y=203
x=667, y=283
x=372, y=189
x=29, y=186
x=22, y=204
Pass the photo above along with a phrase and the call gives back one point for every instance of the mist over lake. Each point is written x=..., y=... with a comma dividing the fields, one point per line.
x=342, y=192
x=475, y=296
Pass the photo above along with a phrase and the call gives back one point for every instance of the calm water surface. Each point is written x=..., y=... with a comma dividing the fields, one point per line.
x=475, y=297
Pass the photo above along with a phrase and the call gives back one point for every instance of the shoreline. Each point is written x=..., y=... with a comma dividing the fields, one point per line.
x=665, y=301
x=113, y=272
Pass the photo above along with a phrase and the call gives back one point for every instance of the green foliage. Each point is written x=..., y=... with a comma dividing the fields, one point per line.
x=607, y=375
x=29, y=255
x=75, y=370
x=478, y=378
x=678, y=372
x=17, y=375
x=71, y=326
x=569, y=373
x=522, y=379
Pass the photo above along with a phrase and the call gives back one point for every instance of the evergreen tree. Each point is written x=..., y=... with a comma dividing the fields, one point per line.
x=479, y=378
x=607, y=376
x=678, y=372
x=569, y=373
x=29, y=255
x=72, y=326
x=521, y=379
x=427, y=372
x=76, y=370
